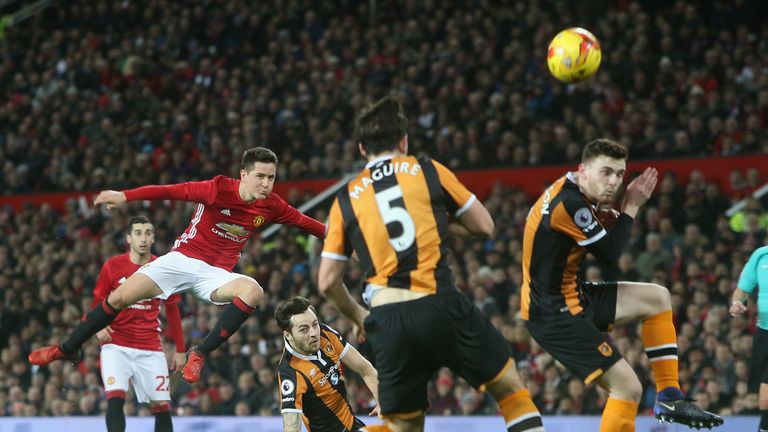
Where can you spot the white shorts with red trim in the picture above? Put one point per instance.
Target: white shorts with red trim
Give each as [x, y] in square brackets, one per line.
[146, 370]
[175, 272]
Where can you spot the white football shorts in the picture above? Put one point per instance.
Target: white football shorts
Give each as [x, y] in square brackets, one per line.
[175, 272]
[146, 370]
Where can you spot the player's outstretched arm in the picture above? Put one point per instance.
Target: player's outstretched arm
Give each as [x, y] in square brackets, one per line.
[173, 317]
[355, 361]
[110, 198]
[199, 192]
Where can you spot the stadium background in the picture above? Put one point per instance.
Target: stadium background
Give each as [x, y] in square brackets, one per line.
[100, 94]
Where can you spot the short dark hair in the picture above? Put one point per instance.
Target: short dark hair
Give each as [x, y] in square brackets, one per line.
[603, 147]
[257, 154]
[293, 306]
[381, 125]
[136, 220]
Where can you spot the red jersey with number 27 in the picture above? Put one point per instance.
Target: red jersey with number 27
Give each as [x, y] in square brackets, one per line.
[138, 325]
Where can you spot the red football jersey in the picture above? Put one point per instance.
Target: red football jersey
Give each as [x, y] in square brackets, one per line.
[138, 325]
[223, 222]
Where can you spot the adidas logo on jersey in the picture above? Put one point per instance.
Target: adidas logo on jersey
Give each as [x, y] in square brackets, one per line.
[226, 212]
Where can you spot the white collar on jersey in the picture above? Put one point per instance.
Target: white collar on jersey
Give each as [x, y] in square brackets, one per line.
[379, 159]
[293, 352]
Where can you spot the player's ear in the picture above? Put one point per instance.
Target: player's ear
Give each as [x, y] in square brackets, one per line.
[361, 149]
[402, 146]
[582, 167]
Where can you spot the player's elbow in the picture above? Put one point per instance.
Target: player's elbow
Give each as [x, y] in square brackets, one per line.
[483, 228]
[323, 283]
[487, 228]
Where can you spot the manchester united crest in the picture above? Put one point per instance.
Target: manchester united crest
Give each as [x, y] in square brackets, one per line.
[111, 380]
[258, 220]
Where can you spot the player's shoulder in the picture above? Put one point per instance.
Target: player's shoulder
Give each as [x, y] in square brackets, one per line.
[224, 180]
[118, 260]
[325, 328]
[569, 193]
[760, 252]
[284, 365]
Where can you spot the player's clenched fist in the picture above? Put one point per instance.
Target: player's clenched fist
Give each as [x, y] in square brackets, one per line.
[111, 198]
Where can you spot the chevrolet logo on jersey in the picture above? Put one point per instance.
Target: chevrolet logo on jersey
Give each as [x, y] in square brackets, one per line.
[232, 229]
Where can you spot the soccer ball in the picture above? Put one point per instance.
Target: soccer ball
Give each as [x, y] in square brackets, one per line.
[574, 55]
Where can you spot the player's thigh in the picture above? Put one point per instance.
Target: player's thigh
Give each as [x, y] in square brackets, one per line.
[405, 359]
[218, 286]
[137, 287]
[152, 381]
[758, 363]
[621, 382]
[410, 424]
[575, 342]
[171, 273]
[637, 301]
[116, 370]
[475, 349]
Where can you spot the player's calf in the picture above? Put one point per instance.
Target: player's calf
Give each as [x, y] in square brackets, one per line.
[517, 407]
[98, 318]
[115, 414]
[162, 412]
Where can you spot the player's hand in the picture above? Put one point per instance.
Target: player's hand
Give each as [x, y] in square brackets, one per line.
[105, 334]
[640, 189]
[177, 361]
[375, 412]
[111, 198]
[737, 309]
[359, 332]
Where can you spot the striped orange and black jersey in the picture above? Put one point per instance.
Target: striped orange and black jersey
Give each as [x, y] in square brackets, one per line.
[558, 230]
[394, 215]
[313, 385]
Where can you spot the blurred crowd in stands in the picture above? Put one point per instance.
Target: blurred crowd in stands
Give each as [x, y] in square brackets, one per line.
[118, 94]
[121, 93]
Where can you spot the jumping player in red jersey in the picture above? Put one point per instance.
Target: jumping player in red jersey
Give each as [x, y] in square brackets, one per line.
[131, 349]
[228, 213]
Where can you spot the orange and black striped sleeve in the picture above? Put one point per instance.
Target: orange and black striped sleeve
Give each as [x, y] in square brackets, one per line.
[293, 387]
[460, 197]
[575, 217]
[336, 246]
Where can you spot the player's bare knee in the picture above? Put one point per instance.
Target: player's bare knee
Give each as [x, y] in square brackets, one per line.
[249, 291]
[629, 390]
[117, 300]
[662, 300]
[510, 383]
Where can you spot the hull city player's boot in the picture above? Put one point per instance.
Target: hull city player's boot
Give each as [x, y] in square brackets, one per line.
[195, 363]
[685, 412]
[45, 355]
